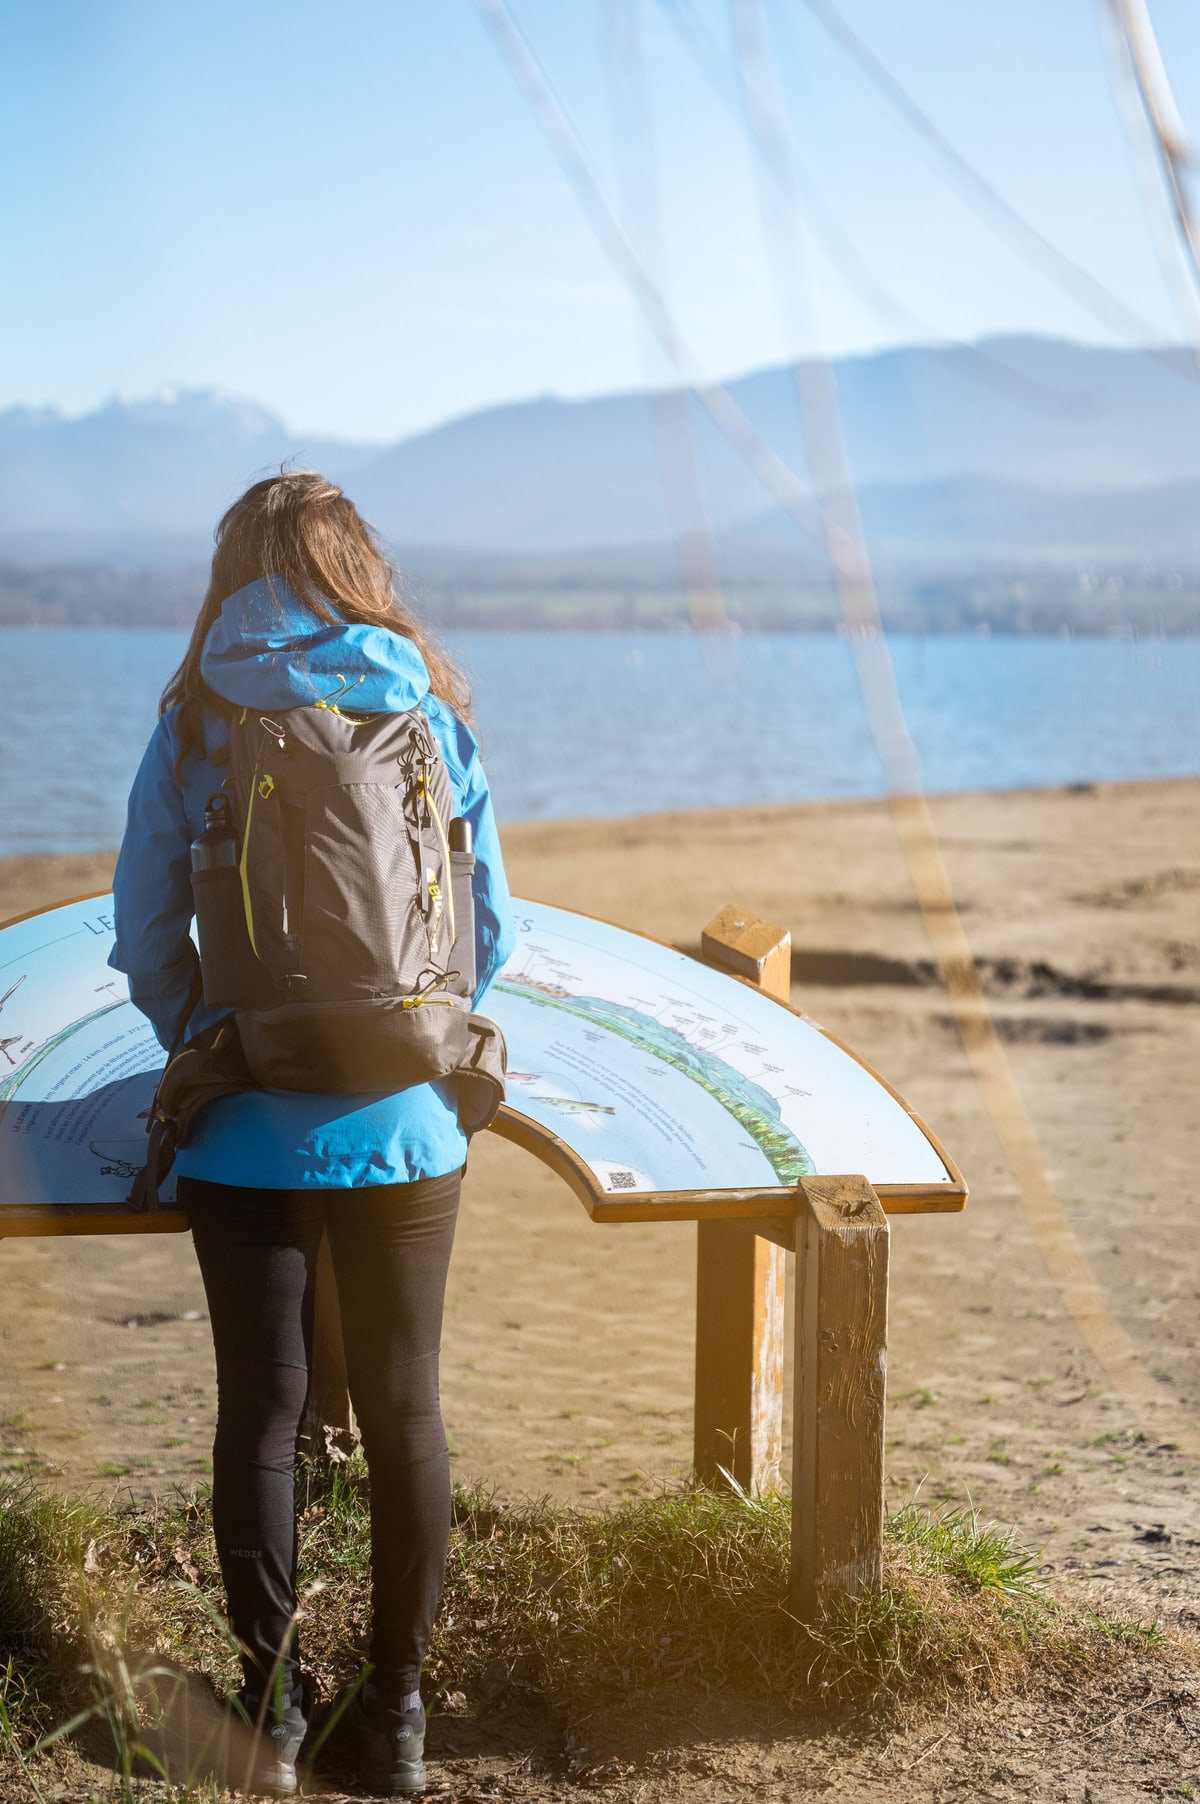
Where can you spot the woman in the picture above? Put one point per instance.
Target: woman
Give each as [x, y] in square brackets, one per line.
[301, 604]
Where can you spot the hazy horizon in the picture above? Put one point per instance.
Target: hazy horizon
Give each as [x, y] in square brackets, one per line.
[172, 393]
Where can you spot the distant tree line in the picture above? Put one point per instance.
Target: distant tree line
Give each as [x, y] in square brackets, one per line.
[95, 595]
[1093, 602]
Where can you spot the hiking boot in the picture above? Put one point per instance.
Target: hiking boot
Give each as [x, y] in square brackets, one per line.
[276, 1750]
[390, 1745]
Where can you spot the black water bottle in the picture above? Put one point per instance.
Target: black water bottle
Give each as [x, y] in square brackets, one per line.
[220, 910]
[462, 868]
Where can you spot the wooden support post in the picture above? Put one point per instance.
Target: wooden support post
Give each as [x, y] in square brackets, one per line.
[740, 1278]
[841, 1370]
[739, 1356]
[328, 1392]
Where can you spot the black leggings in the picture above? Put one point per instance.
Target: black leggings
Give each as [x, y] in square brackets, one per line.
[258, 1257]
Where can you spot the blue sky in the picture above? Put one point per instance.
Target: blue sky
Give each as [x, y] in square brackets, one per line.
[348, 214]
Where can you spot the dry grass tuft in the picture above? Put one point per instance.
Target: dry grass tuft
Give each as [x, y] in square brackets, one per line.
[681, 1593]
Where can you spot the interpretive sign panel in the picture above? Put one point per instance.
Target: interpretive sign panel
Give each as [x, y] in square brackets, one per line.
[649, 1079]
[666, 1076]
[78, 1065]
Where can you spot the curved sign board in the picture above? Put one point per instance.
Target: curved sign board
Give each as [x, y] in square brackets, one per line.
[658, 1087]
[669, 1089]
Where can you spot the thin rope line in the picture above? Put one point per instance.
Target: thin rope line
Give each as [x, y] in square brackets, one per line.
[671, 410]
[1053, 1233]
[1073, 278]
[1148, 110]
[775, 475]
[836, 518]
[693, 33]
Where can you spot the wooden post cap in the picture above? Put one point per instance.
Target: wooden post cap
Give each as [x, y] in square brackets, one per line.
[738, 941]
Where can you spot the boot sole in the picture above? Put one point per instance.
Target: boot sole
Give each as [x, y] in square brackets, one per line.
[395, 1781]
[280, 1780]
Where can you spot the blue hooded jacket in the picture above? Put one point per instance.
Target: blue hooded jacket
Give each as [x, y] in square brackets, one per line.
[268, 650]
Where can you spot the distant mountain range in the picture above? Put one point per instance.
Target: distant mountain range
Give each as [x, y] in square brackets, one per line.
[1016, 453]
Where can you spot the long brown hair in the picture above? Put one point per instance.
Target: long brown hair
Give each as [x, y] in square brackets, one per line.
[300, 529]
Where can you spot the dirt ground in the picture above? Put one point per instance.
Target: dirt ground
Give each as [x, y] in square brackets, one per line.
[568, 1347]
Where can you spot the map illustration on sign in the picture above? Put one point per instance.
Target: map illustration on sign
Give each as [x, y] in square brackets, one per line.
[656, 1076]
[667, 1076]
[79, 1063]
[669, 1035]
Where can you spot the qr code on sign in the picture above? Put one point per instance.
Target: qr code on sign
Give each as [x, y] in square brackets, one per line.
[622, 1180]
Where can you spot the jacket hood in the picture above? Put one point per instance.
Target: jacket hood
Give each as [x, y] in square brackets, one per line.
[267, 649]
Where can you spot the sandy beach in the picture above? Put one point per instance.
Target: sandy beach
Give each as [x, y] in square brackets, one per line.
[568, 1346]
[568, 1350]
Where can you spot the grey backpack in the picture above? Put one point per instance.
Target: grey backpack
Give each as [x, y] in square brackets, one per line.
[333, 907]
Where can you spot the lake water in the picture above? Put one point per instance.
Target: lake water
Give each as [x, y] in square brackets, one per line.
[609, 724]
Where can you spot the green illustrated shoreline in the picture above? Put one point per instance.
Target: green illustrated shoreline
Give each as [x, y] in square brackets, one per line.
[753, 1108]
[12, 1083]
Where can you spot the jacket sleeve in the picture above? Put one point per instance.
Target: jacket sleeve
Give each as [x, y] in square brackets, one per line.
[152, 895]
[495, 935]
